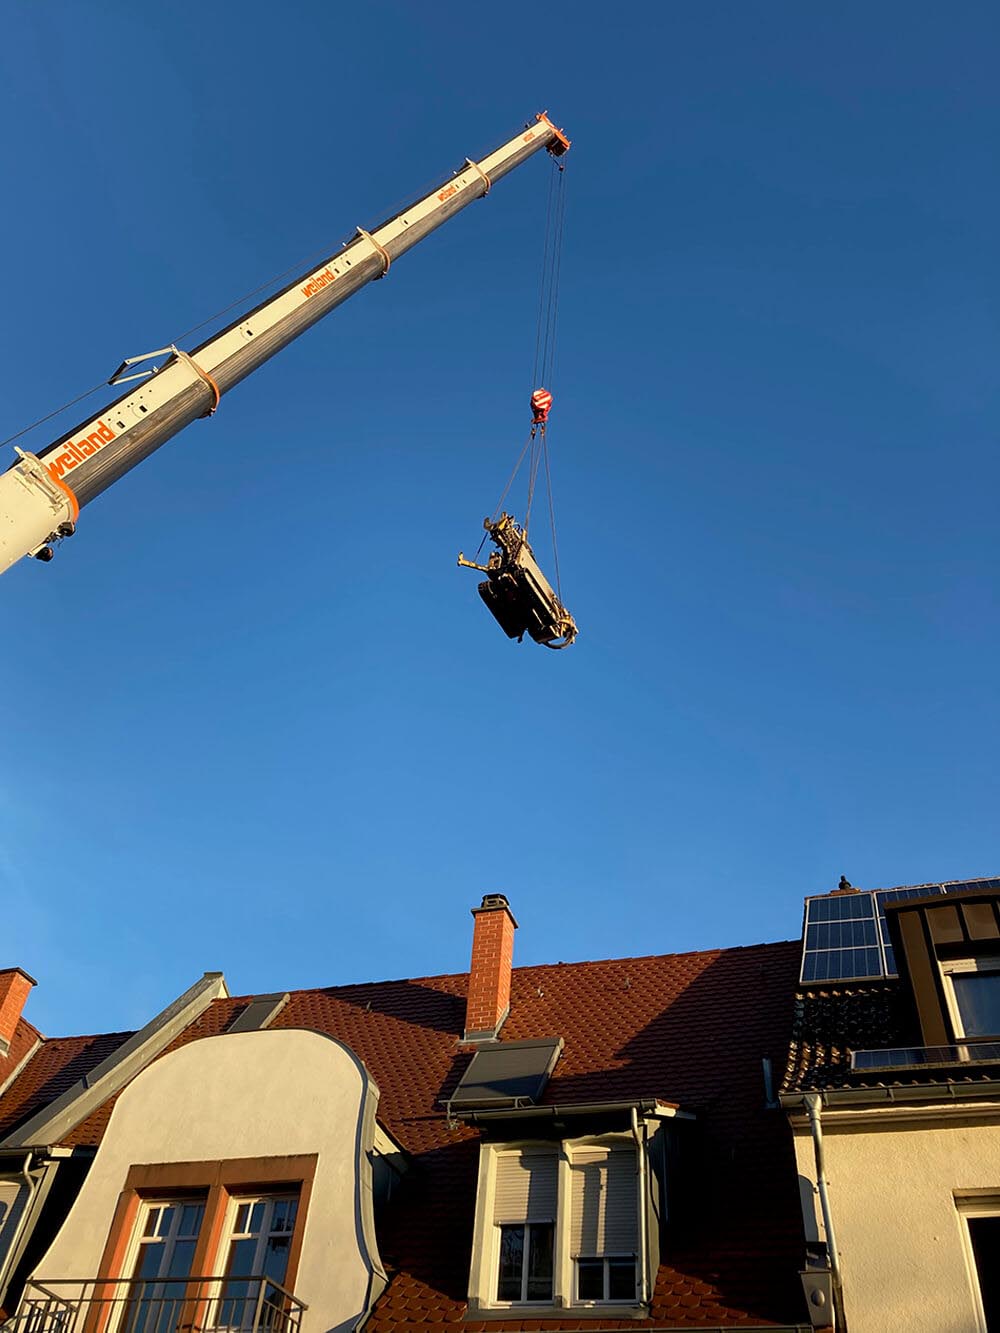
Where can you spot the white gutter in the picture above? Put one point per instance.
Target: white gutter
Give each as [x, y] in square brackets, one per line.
[813, 1103]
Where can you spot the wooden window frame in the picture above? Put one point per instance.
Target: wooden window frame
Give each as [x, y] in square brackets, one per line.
[217, 1183]
[950, 967]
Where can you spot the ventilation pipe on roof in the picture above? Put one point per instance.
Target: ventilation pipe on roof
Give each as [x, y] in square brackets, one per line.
[813, 1104]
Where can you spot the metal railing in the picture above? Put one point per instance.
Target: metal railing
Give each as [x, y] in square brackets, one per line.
[924, 1057]
[157, 1305]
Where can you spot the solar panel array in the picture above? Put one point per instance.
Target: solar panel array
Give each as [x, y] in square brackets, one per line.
[846, 937]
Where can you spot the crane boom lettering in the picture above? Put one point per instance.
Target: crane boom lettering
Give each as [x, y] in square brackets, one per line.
[41, 494]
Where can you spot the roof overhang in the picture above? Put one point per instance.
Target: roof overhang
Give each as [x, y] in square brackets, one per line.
[921, 1101]
[650, 1107]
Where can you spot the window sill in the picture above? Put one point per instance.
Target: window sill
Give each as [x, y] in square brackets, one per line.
[576, 1312]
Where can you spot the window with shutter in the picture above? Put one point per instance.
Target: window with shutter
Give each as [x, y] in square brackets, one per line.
[562, 1228]
[524, 1210]
[604, 1229]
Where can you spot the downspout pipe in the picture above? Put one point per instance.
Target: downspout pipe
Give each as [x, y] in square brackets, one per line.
[813, 1104]
[640, 1148]
[31, 1183]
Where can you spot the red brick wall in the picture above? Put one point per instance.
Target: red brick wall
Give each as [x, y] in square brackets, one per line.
[14, 988]
[489, 971]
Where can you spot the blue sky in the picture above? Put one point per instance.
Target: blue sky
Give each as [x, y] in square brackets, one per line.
[256, 720]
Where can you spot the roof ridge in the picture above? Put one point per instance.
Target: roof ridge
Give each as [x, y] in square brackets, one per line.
[90, 1036]
[530, 967]
[897, 888]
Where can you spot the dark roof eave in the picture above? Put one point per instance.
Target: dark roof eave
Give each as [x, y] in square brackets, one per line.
[644, 1105]
[893, 1094]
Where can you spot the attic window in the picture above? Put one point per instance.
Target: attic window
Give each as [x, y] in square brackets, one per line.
[507, 1074]
[259, 1013]
[973, 988]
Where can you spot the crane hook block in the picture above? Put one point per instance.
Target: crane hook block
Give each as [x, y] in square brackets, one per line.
[518, 594]
[541, 405]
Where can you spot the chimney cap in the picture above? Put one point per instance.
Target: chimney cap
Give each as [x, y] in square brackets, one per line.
[494, 902]
[27, 975]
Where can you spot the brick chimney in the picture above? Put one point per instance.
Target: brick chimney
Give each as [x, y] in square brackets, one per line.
[489, 972]
[15, 985]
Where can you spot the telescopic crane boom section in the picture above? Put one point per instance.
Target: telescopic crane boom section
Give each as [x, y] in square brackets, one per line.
[41, 494]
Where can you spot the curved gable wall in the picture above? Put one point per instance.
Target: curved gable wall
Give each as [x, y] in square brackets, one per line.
[249, 1095]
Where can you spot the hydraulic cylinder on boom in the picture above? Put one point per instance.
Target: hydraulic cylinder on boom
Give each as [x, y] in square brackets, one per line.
[42, 493]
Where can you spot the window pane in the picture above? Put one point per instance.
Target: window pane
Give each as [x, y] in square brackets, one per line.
[179, 1264]
[511, 1260]
[191, 1215]
[283, 1217]
[241, 1257]
[242, 1217]
[621, 1279]
[148, 1262]
[276, 1258]
[985, 1232]
[256, 1217]
[590, 1279]
[540, 1261]
[978, 996]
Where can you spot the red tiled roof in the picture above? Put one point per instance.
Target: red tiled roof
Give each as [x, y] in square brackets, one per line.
[57, 1064]
[686, 1028]
[25, 1036]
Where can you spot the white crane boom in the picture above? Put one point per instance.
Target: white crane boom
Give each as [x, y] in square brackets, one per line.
[41, 494]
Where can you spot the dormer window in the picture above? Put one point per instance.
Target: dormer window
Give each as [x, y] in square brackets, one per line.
[558, 1225]
[524, 1216]
[603, 1231]
[972, 986]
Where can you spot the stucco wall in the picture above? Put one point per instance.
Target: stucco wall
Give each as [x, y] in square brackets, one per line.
[900, 1235]
[251, 1094]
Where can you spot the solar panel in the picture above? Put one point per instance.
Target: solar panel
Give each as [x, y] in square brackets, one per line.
[841, 939]
[846, 935]
[884, 896]
[507, 1074]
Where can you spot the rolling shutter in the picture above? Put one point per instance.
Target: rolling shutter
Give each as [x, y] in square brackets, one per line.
[604, 1216]
[526, 1186]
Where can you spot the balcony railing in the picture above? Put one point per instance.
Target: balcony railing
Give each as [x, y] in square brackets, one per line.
[928, 1057]
[163, 1305]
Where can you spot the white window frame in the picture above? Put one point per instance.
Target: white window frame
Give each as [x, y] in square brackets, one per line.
[605, 1259]
[139, 1239]
[485, 1267]
[121, 1289]
[959, 966]
[523, 1298]
[969, 1208]
[230, 1234]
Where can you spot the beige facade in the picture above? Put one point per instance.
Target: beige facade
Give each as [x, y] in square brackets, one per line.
[900, 1184]
[255, 1096]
